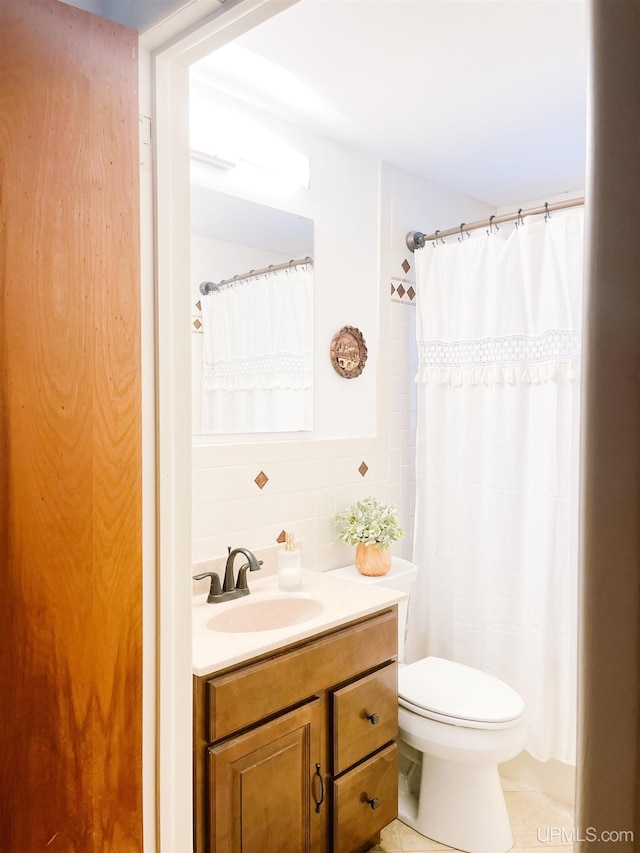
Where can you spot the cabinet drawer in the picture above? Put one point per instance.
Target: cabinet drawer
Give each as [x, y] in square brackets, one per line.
[365, 800]
[365, 717]
[247, 695]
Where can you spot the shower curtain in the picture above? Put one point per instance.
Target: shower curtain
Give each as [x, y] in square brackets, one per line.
[498, 331]
[258, 354]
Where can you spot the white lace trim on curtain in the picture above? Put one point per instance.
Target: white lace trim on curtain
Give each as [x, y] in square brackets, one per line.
[278, 370]
[507, 360]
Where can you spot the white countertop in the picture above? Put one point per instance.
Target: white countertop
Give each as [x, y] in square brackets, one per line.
[342, 601]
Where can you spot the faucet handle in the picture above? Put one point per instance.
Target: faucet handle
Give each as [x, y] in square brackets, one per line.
[214, 589]
[241, 583]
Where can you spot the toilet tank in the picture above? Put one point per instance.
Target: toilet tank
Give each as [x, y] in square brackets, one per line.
[401, 576]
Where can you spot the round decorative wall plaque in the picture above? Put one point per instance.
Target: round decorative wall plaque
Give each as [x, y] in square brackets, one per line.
[348, 352]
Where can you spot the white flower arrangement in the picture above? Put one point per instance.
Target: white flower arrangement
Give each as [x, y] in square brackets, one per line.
[369, 522]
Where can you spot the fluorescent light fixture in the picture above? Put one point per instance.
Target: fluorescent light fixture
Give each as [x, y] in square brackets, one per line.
[214, 159]
[228, 139]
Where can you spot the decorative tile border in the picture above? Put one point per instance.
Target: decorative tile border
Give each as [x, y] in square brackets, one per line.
[403, 289]
[196, 319]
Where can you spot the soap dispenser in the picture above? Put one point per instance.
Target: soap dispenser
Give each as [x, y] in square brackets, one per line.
[289, 565]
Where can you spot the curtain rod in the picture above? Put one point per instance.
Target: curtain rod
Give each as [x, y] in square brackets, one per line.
[210, 286]
[417, 240]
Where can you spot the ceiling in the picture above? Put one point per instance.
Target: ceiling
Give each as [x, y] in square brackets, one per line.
[486, 97]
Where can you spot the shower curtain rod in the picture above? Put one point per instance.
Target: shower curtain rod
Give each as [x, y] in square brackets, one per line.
[211, 287]
[417, 240]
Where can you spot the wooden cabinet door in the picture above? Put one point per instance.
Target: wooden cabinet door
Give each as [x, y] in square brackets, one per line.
[265, 793]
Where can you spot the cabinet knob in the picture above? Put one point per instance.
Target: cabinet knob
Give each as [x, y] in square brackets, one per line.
[374, 719]
[374, 802]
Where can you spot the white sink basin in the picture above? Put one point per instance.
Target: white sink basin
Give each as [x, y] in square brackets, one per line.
[266, 614]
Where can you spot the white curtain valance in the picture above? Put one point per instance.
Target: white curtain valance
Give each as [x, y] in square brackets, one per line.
[507, 360]
[277, 370]
[531, 276]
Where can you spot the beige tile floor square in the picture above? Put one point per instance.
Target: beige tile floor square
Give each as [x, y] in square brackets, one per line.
[536, 820]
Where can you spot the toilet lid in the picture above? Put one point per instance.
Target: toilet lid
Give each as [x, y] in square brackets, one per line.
[444, 689]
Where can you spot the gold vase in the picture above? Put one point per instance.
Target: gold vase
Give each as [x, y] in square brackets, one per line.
[371, 560]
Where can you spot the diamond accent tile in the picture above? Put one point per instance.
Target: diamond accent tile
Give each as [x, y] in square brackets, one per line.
[363, 468]
[282, 538]
[261, 480]
[411, 293]
[406, 266]
[401, 291]
[393, 289]
[199, 305]
[197, 323]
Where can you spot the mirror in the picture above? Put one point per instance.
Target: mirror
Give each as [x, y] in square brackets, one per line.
[252, 339]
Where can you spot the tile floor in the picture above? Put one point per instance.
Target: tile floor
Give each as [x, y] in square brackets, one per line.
[532, 815]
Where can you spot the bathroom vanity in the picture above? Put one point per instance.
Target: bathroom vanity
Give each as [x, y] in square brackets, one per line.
[294, 743]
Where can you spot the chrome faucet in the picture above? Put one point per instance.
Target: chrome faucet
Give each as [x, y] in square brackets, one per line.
[231, 589]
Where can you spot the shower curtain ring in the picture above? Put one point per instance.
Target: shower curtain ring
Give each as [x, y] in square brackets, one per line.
[547, 212]
[519, 220]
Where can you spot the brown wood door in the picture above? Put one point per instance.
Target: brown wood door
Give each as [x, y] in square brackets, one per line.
[70, 437]
[265, 795]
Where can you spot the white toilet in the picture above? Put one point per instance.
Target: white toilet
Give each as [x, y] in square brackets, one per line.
[456, 725]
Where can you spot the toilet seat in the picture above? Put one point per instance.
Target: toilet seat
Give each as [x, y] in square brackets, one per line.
[460, 695]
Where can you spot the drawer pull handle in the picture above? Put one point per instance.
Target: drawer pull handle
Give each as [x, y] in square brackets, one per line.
[374, 719]
[374, 802]
[321, 800]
